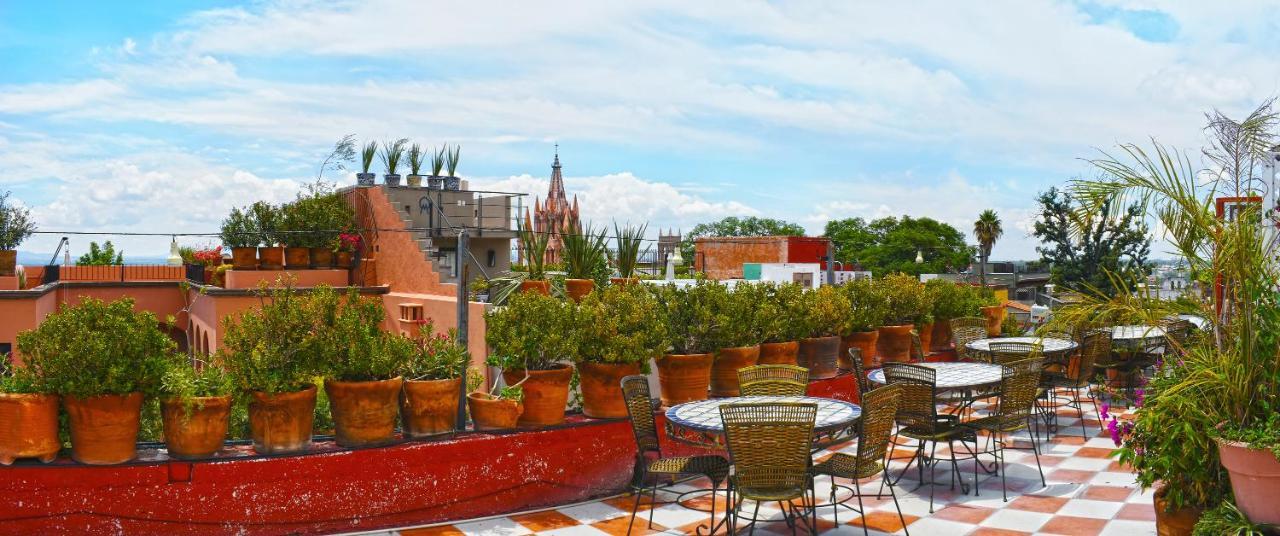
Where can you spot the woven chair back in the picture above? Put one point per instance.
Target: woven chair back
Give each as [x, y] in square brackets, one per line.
[859, 374]
[1019, 384]
[773, 380]
[965, 330]
[917, 347]
[1005, 352]
[769, 444]
[1095, 347]
[917, 408]
[635, 391]
[879, 410]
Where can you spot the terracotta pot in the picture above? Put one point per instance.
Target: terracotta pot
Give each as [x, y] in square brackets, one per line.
[342, 260]
[926, 338]
[1180, 522]
[104, 428]
[941, 336]
[546, 394]
[321, 258]
[601, 388]
[364, 413]
[8, 262]
[778, 353]
[542, 287]
[577, 289]
[864, 341]
[624, 281]
[683, 377]
[488, 413]
[282, 422]
[28, 427]
[297, 258]
[195, 431]
[244, 258]
[429, 407]
[1255, 480]
[725, 366]
[995, 316]
[820, 356]
[894, 343]
[271, 258]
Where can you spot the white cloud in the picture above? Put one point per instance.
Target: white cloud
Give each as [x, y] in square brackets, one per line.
[41, 98]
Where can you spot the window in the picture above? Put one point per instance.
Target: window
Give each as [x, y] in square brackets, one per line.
[6, 348]
[491, 258]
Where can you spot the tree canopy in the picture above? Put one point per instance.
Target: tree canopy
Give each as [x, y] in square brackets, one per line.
[888, 245]
[735, 226]
[1083, 252]
[101, 256]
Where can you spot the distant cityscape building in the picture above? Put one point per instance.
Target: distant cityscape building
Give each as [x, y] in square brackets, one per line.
[667, 244]
[554, 215]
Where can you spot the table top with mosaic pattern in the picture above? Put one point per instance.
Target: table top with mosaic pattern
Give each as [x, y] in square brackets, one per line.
[953, 375]
[1048, 345]
[704, 415]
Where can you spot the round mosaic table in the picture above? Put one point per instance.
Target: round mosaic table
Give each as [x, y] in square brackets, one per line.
[954, 376]
[698, 423]
[1050, 346]
[1136, 334]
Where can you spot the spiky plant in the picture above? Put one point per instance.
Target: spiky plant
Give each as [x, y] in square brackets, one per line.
[437, 161]
[416, 157]
[451, 159]
[533, 246]
[366, 156]
[584, 250]
[630, 240]
[392, 152]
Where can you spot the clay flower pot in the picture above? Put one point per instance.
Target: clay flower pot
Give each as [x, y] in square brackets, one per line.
[8, 262]
[1255, 480]
[941, 339]
[488, 413]
[321, 258]
[995, 316]
[1176, 523]
[104, 428]
[542, 286]
[244, 258]
[271, 258]
[601, 388]
[429, 407]
[196, 430]
[926, 338]
[683, 378]
[894, 343]
[778, 353]
[865, 342]
[282, 422]
[546, 394]
[577, 289]
[364, 413]
[297, 258]
[624, 281]
[28, 427]
[342, 260]
[820, 356]
[725, 365]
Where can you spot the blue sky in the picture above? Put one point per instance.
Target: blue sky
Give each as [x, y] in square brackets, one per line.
[161, 116]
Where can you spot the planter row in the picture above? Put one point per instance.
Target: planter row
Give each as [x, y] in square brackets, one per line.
[281, 258]
[434, 182]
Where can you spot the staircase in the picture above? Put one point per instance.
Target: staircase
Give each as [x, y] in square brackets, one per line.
[430, 252]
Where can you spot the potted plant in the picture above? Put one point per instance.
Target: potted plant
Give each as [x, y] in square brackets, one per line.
[266, 220]
[630, 241]
[826, 314]
[452, 182]
[684, 372]
[950, 301]
[584, 255]
[737, 336]
[904, 304]
[619, 335]
[195, 407]
[345, 247]
[391, 154]
[992, 310]
[327, 215]
[15, 227]
[867, 310]
[499, 409]
[295, 233]
[207, 260]
[416, 159]
[429, 401]
[533, 247]
[240, 233]
[436, 181]
[777, 319]
[273, 354]
[362, 367]
[101, 358]
[365, 178]
[28, 416]
[531, 338]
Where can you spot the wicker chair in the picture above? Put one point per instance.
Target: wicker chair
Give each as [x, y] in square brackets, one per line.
[1177, 333]
[966, 330]
[918, 419]
[769, 445]
[649, 460]
[1018, 385]
[1005, 352]
[864, 383]
[874, 429]
[1076, 377]
[917, 347]
[773, 380]
[1124, 360]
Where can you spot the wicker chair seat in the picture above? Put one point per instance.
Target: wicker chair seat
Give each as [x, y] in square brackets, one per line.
[998, 423]
[714, 467]
[846, 466]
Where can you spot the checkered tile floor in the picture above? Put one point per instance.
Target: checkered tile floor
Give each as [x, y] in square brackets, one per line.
[1087, 494]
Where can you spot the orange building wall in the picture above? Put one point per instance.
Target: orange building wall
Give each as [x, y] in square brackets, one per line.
[400, 263]
[722, 258]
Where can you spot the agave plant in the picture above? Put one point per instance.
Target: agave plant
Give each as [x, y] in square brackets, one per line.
[416, 158]
[533, 246]
[630, 239]
[451, 159]
[392, 152]
[366, 156]
[437, 161]
[584, 250]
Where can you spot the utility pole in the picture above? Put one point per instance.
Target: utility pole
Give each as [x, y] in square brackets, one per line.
[463, 269]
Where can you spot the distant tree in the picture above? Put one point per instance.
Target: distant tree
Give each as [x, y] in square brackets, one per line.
[1083, 252]
[889, 245]
[987, 230]
[101, 256]
[734, 226]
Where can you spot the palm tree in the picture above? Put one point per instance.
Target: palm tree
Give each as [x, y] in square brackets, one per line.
[987, 230]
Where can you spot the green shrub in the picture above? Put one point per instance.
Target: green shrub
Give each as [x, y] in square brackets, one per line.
[778, 317]
[734, 311]
[866, 305]
[185, 378]
[532, 332]
[352, 345]
[688, 316]
[827, 312]
[953, 300]
[97, 348]
[618, 326]
[16, 380]
[904, 298]
[1227, 520]
[435, 357]
[276, 348]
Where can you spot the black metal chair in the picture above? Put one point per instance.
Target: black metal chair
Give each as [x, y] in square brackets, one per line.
[874, 430]
[864, 383]
[1075, 377]
[773, 380]
[965, 330]
[1014, 410]
[918, 419]
[769, 446]
[649, 460]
